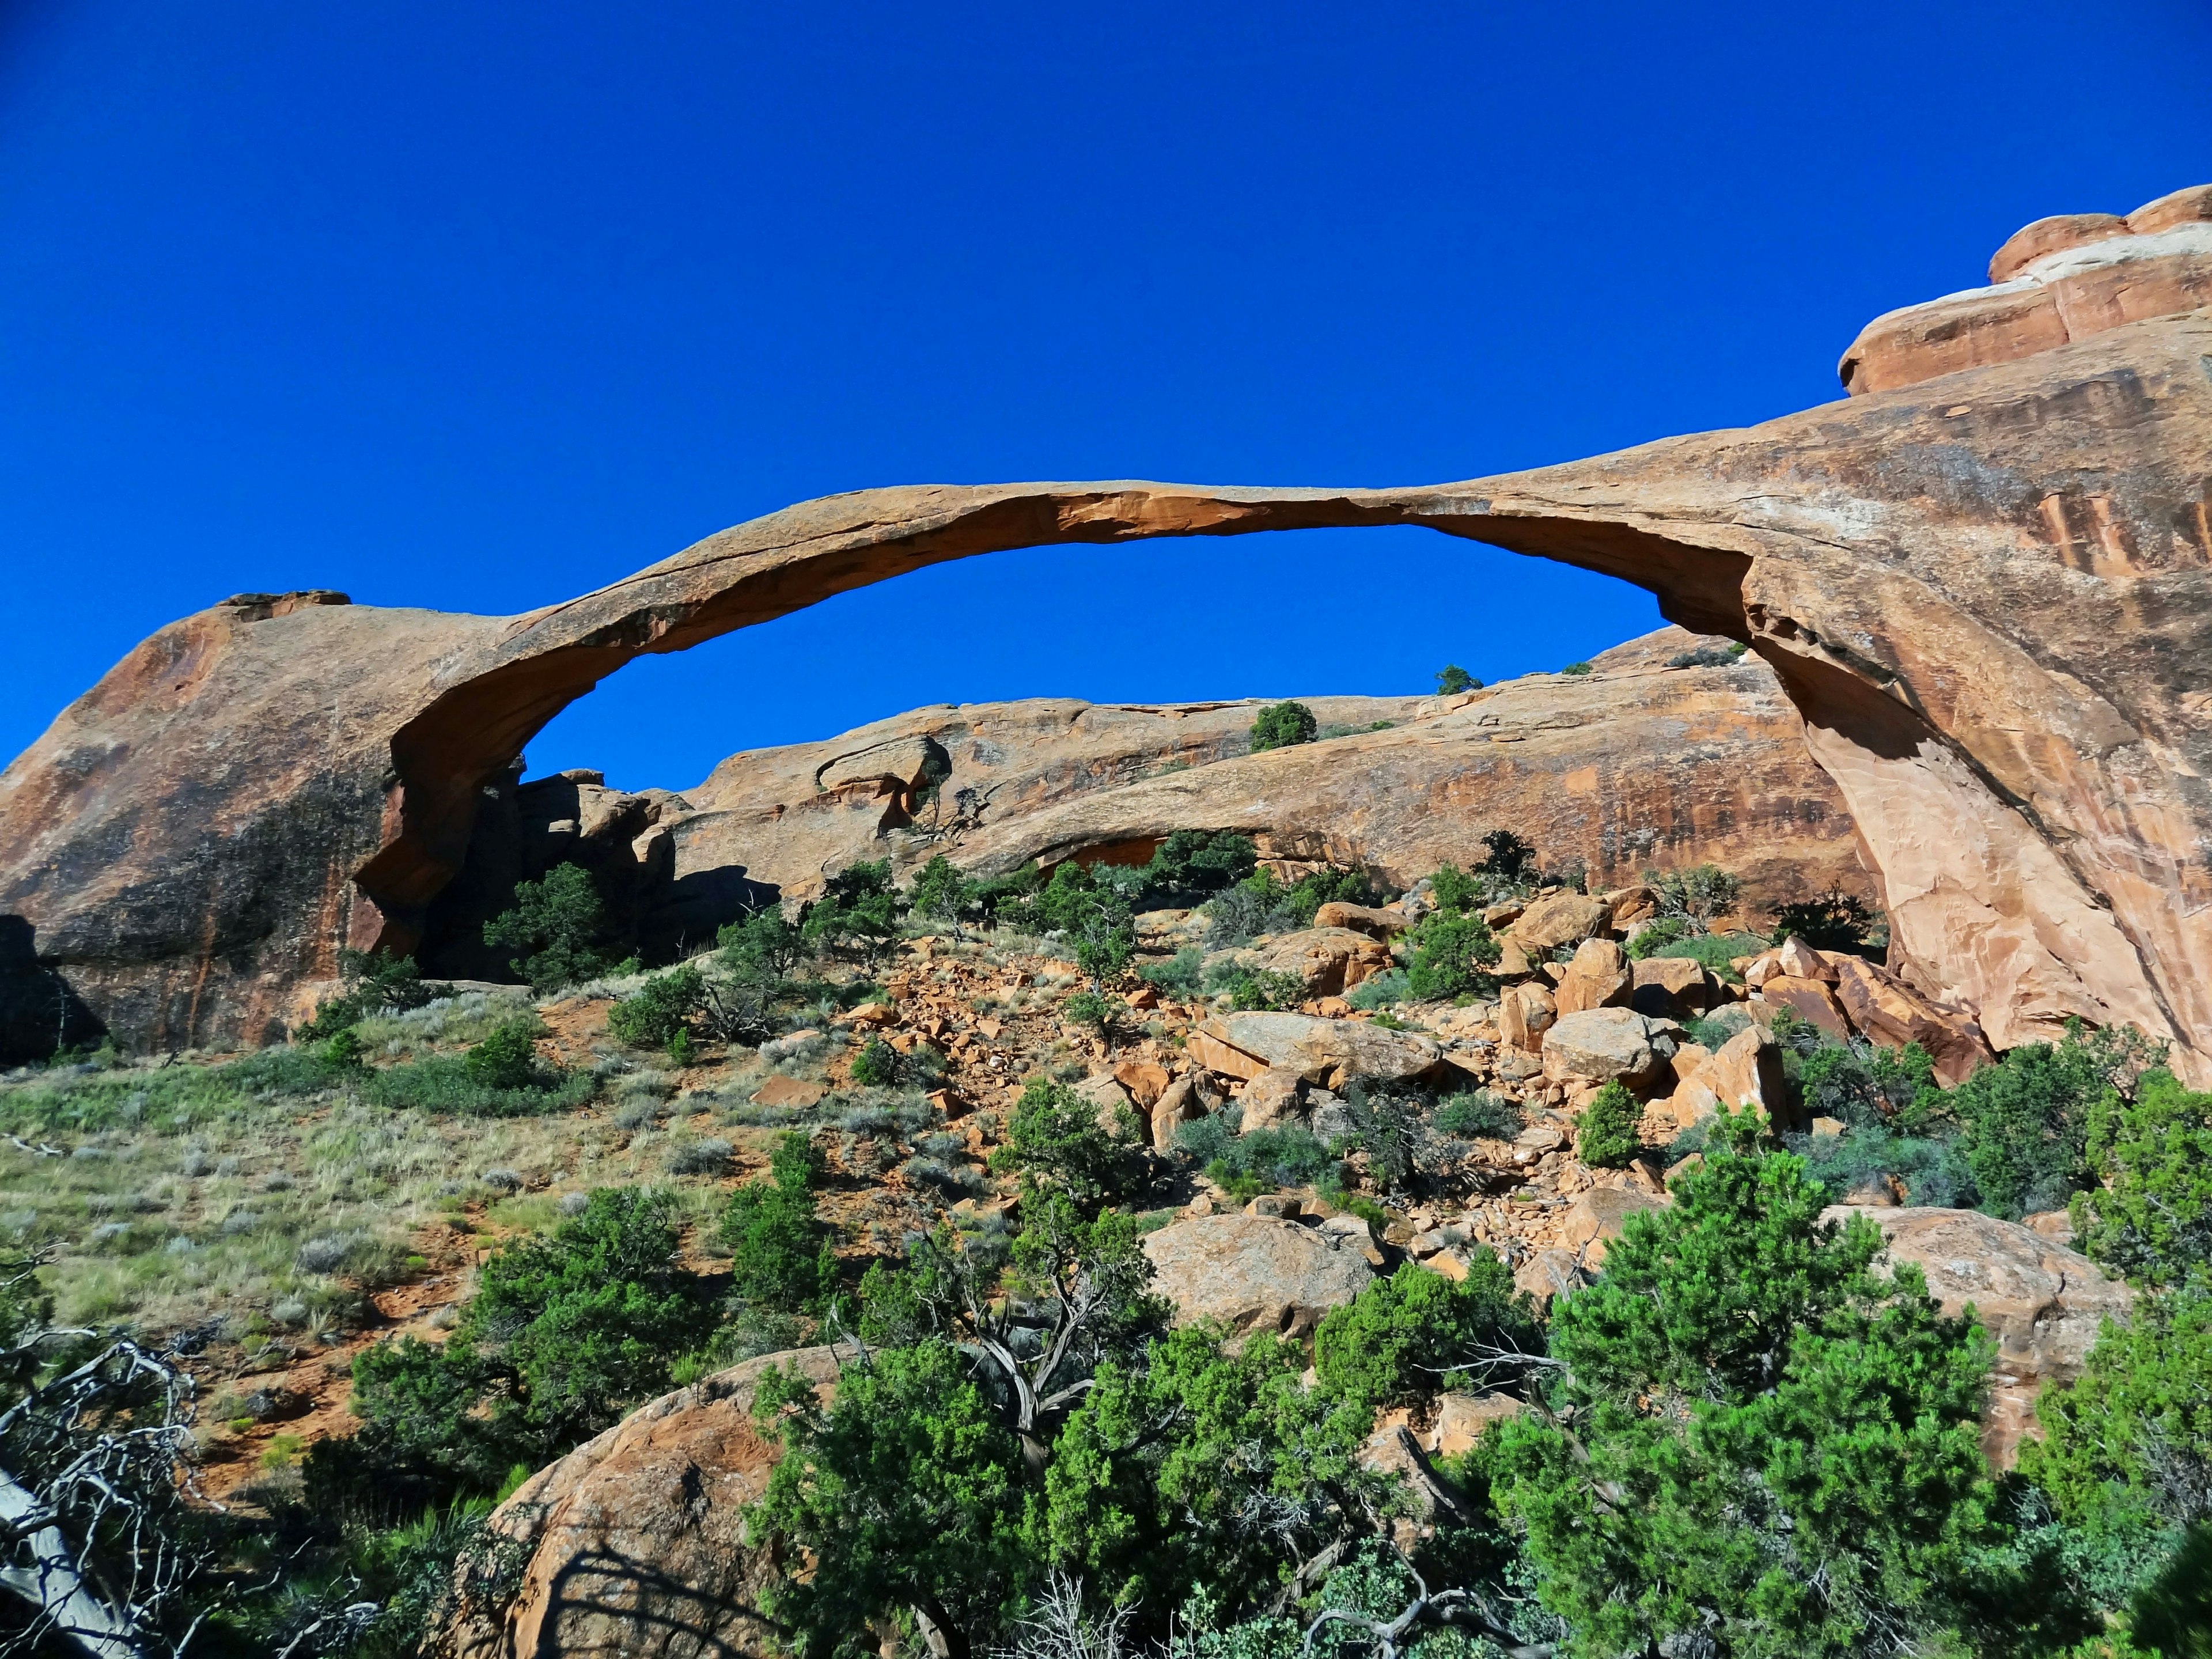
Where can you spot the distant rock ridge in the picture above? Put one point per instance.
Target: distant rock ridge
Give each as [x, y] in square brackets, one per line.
[1987, 591]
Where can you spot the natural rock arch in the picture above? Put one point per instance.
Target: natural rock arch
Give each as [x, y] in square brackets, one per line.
[1990, 593]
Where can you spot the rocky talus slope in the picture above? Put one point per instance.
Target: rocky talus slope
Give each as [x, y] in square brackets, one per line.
[1987, 591]
[635, 1543]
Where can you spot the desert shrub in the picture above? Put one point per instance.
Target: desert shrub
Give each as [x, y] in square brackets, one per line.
[877, 1066]
[1709, 656]
[1108, 1016]
[659, 1011]
[1179, 975]
[1480, 1114]
[558, 926]
[1736, 1358]
[2126, 1454]
[376, 984]
[1389, 1125]
[1833, 920]
[1607, 1135]
[565, 1331]
[1508, 858]
[1578, 668]
[2150, 1214]
[1056, 1144]
[1250, 988]
[1933, 1172]
[709, 1155]
[1654, 936]
[781, 1257]
[1694, 896]
[763, 949]
[1454, 679]
[1262, 1161]
[1281, 725]
[857, 914]
[507, 1056]
[1381, 990]
[2024, 1121]
[1861, 1084]
[1405, 1337]
[941, 891]
[1084, 913]
[443, 1085]
[1192, 865]
[1713, 951]
[1451, 949]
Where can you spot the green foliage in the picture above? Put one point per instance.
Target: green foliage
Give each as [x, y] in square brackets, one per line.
[2024, 1122]
[1454, 891]
[558, 926]
[1056, 1144]
[507, 1059]
[564, 1333]
[1711, 952]
[940, 890]
[906, 1493]
[1508, 858]
[1606, 1135]
[344, 1052]
[1282, 724]
[1653, 935]
[2151, 1217]
[1869, 1088]
[2131, 1440]
[374, 984]
[857, 914]
[1261, 904]
[444, 1084]
[781, 1257]
[1107, 1016]
[1455, 679]
[1250, 988]
[1578, 668]
[763, 949]
[877, 1066]
[1179, 975]
[1709, 656]
[1381, 990]
[1406, 1337]
[1934, 1171]
[1694, 896]
[1833, 920]
[1084, 912]
[1479, 1115]
[1774, 1449]
[660, 1010]
[1262, 1161]
[1451, 949]
[1159, 1475]
[1192, 865]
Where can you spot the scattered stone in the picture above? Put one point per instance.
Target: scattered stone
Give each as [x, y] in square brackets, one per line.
[1254, 1273]
[1549, 1273]
[1809, 999]
[1271, 1099]
[1379, 923]
[1598, 977]
[1671, 988]
[1562, 919]
[1599, 1044]
[1462, 1419]
[777, 1089]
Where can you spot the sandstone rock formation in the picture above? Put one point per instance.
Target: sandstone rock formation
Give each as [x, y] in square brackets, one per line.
[1989, 593]
[635, 1540]
[1255, 1273]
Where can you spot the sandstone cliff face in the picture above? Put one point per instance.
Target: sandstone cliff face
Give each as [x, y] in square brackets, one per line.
[1634, 765]
[1989, 593]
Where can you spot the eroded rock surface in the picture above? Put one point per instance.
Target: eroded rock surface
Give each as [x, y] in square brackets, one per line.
[1989, 593]
[1255, 1272]
[636, 1538]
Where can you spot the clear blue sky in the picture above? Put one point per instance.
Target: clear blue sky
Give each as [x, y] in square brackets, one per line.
[478, 307]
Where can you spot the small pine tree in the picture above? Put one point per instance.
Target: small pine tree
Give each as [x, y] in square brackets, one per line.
[1282, 724]
[1607, 1134]
[1455, 679]
[557, 924]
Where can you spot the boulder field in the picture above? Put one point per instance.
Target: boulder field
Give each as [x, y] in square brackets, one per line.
[1984, 580]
